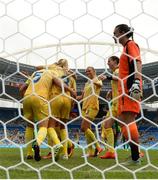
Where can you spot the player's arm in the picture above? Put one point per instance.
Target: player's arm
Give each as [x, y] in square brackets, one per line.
[39, 68]
[97, 82]
[80, 97]
[73, 86]
[110, 77]
[135, 90]
[66, 88]
[134, 51]
[72, 73]
[22, 89]
[72, 83]
[109, 95]
[139, 70]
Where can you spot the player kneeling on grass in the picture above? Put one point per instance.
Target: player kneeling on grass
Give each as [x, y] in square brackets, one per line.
[35, 104]
[90, 108]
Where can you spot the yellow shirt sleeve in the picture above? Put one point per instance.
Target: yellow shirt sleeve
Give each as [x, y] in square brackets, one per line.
[97, 82]
[73, 83]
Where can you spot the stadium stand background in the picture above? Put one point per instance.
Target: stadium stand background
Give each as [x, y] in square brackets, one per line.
[15, 128]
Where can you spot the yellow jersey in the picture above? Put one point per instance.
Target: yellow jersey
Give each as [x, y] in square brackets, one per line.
[70, 81]
[114, 84]
[40, 83]
[92, 101]
[57, 70]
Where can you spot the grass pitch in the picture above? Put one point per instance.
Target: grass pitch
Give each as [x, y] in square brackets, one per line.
[13, 166]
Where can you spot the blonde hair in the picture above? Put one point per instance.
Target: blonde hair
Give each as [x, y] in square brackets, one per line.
[62, 63]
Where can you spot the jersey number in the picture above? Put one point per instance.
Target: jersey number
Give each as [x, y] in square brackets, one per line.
[37, 77]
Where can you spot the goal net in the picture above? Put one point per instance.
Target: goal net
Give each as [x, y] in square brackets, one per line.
[41, 32]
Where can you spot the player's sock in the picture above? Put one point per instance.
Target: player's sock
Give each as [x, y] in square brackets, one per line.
[41, 135]
[110, 139]
[29, 135]
[135, 137]
[63, 135]
[50, 142]
[90, 148]
[53, 135]
[103, 132]
[91, 135]
[57, 129]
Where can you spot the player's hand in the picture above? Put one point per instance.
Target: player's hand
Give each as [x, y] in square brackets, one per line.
[135, 91]
[73, 93]
[109, 95]
[102, 77]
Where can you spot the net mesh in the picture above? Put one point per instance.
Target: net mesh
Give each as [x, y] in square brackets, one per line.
[40, 32]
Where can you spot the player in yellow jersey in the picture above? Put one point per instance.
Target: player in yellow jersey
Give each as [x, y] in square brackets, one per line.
[57, 69]
[35, 104]
[61, 105]
[107, 130]
[90, 108]
[29, 131]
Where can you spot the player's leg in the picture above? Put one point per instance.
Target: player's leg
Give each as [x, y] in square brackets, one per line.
[70, 148]
[29, 131]
[116, 130]
[129, 118]
[110, 154]
[64, 136]
[128, 110]
[86, 128]
[55, 125]
[52, 124]
[29, 135]
[56, 105]
[54, 138]
[52, 132]
[56, 108]
[108, 130]
[65, 115]
[41, 113]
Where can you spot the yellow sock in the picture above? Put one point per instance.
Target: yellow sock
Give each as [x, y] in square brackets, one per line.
[63, 135]
[28, 137]
[110, 139]
[90, 148]
[41, 135]
[57, 129]
[50, 142]
[92, 137]
[53, 135]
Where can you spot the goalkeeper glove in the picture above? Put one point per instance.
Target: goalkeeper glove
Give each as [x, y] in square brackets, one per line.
[135, 91]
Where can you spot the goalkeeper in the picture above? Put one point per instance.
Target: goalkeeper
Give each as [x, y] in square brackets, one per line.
[129, 88]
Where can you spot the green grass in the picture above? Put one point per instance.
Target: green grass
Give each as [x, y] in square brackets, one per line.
[50, 170]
